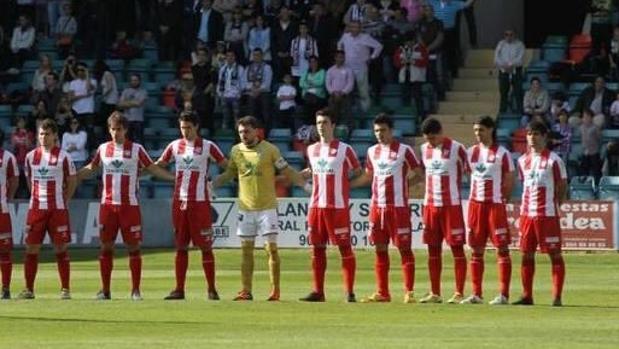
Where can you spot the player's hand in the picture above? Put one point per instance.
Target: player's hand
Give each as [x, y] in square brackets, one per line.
[211, 192]
[306, 173]
[308, 187]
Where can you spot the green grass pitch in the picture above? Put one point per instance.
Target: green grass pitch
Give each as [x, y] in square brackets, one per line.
[589, 319]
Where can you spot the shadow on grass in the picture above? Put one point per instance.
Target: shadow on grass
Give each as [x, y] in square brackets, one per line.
[69, 320]
[84, 254]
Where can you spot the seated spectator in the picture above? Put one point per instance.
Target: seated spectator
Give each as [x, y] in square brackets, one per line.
[414, 9]
[22, 142]
[22, 42]
[39, 113]
[63, 112]
[536, 101]
[204, 79]
[387, 9]
[598, 99]
[38, 80]
[412, 61]
[558, 103]
[614, 113]
[82, 97]
[230, 85]
[260, 37]
[227, 8]
[50, 94]
[68, 73]
[340, 82]
[74, 141]
[590, 135]
[131, 102]
[122, 48]
[259, 77]
[357, 12]
[235, 34]
[611, 161]
[313, 90]
[66, 28]
[302, 47]
[219, 57]
[563, 131]
[109, 92]
[286, 95]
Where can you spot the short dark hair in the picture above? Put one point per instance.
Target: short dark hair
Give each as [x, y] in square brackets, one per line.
[383, 118]
[137, 75]
[54, 75]
[49, 125]
[326, 112]
[118, 117]
[431, 126]
[535, 78]
[248, 120]
[340, 52]
[537, 126]
[82, 65]
[588, 111]
[488, 122]
[188, 116]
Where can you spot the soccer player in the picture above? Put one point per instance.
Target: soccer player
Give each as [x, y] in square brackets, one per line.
[331, 163]
[492, 178]
[191, 207]
[254, 162]
[121, 161]
[389, 165]
[544, 186]
[444, 161]
[51, 179]
[9, 180]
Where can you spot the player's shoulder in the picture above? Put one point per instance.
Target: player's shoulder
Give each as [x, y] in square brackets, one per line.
[457, 145]
[502, 150]
[7, 154]
[373, 147]
[522, 158]
[554, 157]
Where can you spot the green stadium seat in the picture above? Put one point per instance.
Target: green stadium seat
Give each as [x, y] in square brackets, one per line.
[582, 188]
[609, 188]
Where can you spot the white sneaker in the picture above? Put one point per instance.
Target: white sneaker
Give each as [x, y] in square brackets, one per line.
[136, 296]
[499, 300]
[472, 299]
[65, 294]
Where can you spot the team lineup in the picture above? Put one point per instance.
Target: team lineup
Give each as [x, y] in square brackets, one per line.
[333, 169]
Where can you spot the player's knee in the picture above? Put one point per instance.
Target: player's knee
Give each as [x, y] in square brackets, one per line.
[556, 257]
[60, 248]
[33, 249]
[133, 248]
[503, 252]
[381, 247]
[478, 253]
[528, 257]
[457, 251]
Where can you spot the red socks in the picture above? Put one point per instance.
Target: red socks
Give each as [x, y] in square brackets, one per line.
[558, 275]
[208, 264]
[408, 269]
[527, 271]
[381, 269]
[135, 264]
[435, 265]
[180, 265]
[64, 269]
[106, 264]
[31, 264]
[459, 267]
[505, 272]
[6, 268]
[319, 266]
[349, 265]
[477, 273]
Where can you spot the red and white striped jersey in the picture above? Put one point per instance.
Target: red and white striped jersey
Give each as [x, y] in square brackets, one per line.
[389, 167]
[192, 163]
[8, 170]
[331, 164]
[488, 167]
[121, 165]
[47, 172]
[444, 168]
[540, 174]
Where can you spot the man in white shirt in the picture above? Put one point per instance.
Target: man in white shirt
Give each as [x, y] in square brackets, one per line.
[82, 98]
[22, 40]
[259, 77]
[508, 58]
[132, 101]
[230, 84]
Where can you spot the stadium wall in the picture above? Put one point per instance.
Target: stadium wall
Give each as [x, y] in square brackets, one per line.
[586, 225]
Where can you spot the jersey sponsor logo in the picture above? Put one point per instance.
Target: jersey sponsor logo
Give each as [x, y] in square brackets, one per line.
[187, 163]
[384, 169]
[438, 168]
[117, 166]
[536, 178]
[43, 174]
[250, 169]
[323, 167]
[480, 171]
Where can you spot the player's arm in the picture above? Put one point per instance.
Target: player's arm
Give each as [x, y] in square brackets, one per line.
[12, 185]
[160, 172]
[415, 176]
[87, 171]
[12, 174]
[560, 178]
[70, 187]
[228, 175]
[508, 186]
[561, 191]
[362, 180]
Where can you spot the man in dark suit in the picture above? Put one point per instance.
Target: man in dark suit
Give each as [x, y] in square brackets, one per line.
[322, 26]
[209, 24]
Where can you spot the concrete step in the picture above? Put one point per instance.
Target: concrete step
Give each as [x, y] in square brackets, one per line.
[475, 85]
[481, 58]
[470, 96]
[478, 73]
[463, 108]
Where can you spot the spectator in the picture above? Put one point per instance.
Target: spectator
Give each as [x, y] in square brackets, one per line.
[132, 101]
[590, 135]
[259, 78]
[82, 97]
[51, 94]
[302, 48]
[63, 112]
[227, 8]
[562, 129]
[252, 9]
[302, 8]
[412, 61]
[313, 91]
[209, 24]
[236, 34]
[74, 141]
[53, 12]
[598, 99]
[322, 26]
[360, 49]
[469, 16]
[283, 31]
[613, 54]
[219, 57]
[340, 83]
[22, 42]
[387, 9]
[22, 142]
[508, 58]
[66, 28]
[230, 84]
[38, 80]
[395, 31]
[123, 48]
[614, 113]
[558, 104]
[260, 37]
[286, 95]
[375, 27]
[611, 161]
[68, 73]
[414, 9]
[536, 102]
[169, 13]
[203, 101]
[431, 30]
[357, 12]
[601, 23]
[39, 113]
[109, 93]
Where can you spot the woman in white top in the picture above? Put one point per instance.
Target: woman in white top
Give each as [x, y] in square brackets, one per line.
[109, 92]
[74, 143]
[45, 67]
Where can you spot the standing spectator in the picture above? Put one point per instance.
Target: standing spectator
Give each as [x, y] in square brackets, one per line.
[209, 24]
[471, 26]
[169, 14]
[598, 99]
[340, 83]
[123, 48]
[557, 104]
[39, 113]
[38, 80]
[259, 78]
[302, 47]
[613, 54]
[412, 60]
[393, 35]
[611, 161]
[236, 34]
[375, 27]
[360, 49]
[203, 101]
[132, 101]
[82, 97]
[283, 31]
[63, 112]
[536, 102]
[414, 9]
[230, 84]
[227, 8]
[66, 28]
[22, 42]
[313, 91]
[590, 135]
[614, 113]
[68, 73]
[260, 37]
[252, 8]
[357, 12]
[322, 26]
[563, 129]
[508, 58]
[387, 9]
[74, 143]
[601, 23]
[53, 12]
[286, 95]
[430, 29]
[51, 94]
[22, 142]
[109, 93]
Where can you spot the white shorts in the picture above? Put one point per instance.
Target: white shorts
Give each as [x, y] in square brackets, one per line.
[254, 223]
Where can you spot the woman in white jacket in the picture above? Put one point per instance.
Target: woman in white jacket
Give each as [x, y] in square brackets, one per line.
[74, 142]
